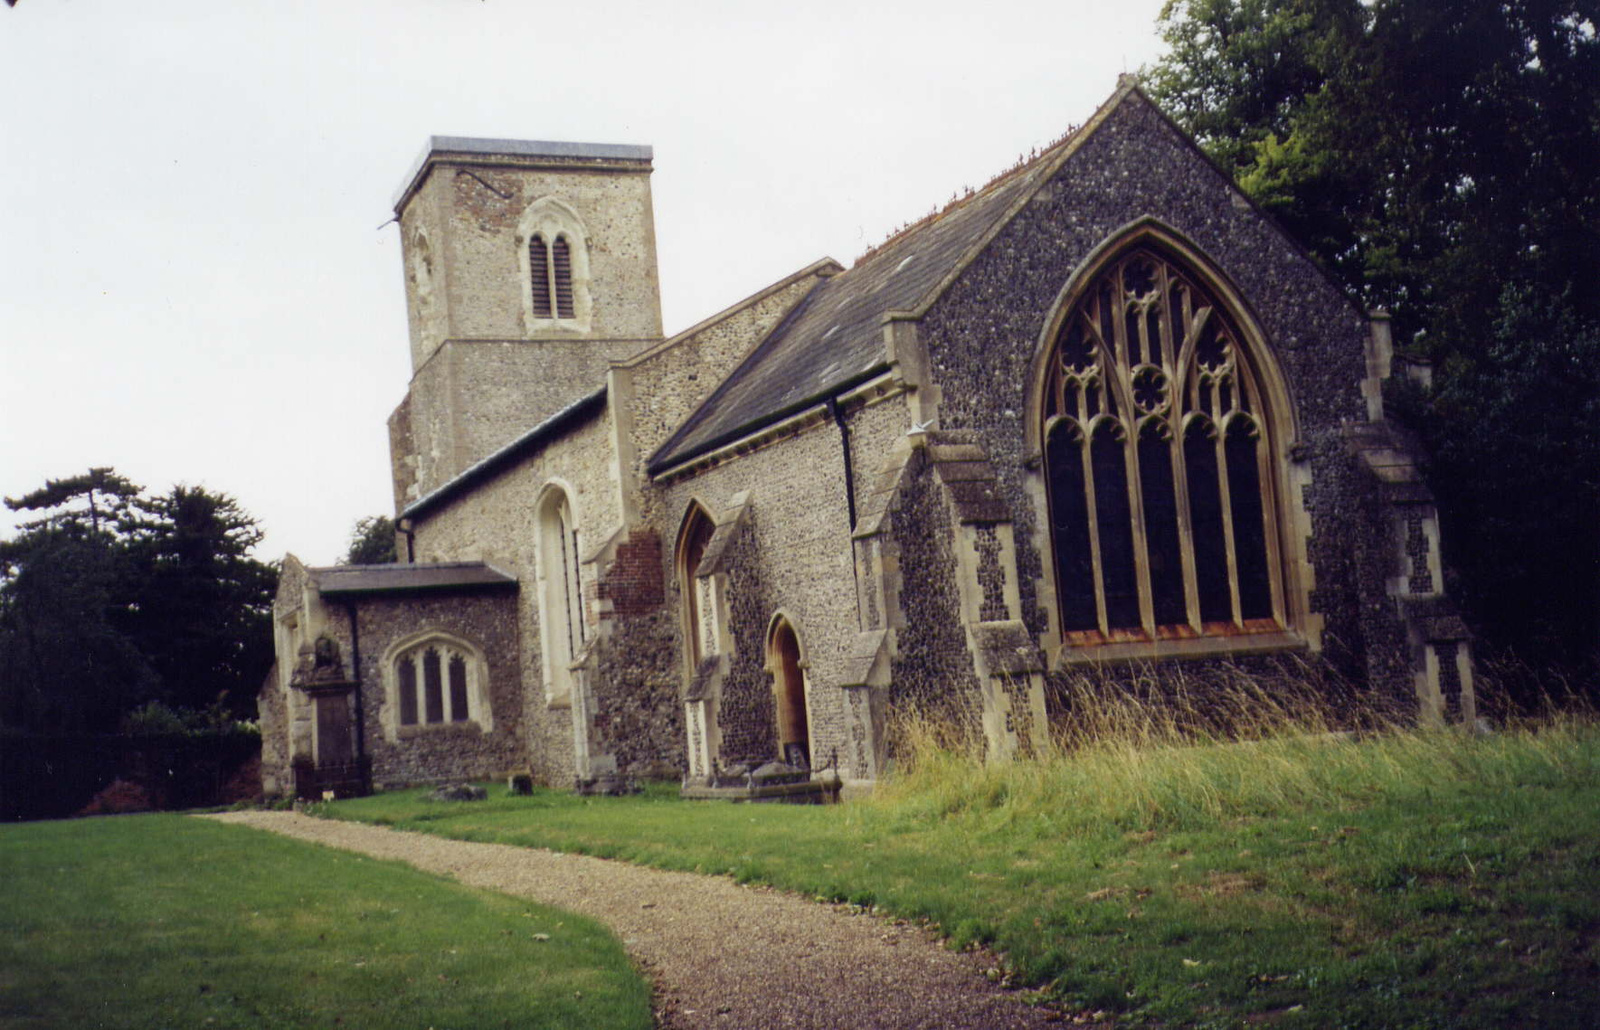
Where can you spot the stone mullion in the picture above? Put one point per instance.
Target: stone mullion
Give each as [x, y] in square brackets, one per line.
[1092, 513]
[1185, 381]
[1141, 546]
[1122, 369]
[1169, 347]
[1102, 350]
[1180, 477]
[1269, 508]
[1227, 523]
[550, 278]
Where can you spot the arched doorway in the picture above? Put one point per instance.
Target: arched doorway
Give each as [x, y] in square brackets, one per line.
[789, 688]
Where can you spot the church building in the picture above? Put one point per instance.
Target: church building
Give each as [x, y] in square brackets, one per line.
[1101, 414]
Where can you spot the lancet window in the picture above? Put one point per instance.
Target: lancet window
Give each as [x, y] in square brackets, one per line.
[699, 630]
[563, 627]
[1159, 462]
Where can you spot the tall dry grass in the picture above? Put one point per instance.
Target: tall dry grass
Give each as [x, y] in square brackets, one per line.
[1147, 751]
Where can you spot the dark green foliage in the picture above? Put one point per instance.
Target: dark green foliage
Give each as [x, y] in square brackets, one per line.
[110, 599]
[202, 606]
[1438, 157]
[371, 541]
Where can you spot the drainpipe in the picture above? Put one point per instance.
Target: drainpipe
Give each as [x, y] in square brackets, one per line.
[361, 715]
[404, 526]
[849, 469]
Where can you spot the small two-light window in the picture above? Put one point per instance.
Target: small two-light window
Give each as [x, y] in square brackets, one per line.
[550, 269]
[434, 685]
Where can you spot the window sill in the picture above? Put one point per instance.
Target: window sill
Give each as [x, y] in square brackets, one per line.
[1084, 652]
[431, 728]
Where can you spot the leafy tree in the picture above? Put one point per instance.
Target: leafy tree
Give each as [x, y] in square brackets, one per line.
[67, 665]
[371, 541]
[110, 599]
[202, 607]
[1438, 157]
[94, 502]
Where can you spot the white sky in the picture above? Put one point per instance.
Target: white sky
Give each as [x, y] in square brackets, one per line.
[194, 284]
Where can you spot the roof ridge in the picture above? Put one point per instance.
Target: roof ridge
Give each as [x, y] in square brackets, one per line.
[1023, 163]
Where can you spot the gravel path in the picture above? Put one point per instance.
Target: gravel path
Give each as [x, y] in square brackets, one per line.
[721, 955]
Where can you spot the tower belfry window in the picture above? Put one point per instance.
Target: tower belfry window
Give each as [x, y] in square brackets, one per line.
[1159, 462]
[550, 274]
[553, 248]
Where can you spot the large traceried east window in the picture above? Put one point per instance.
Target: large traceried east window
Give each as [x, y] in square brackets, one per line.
[1159, 462]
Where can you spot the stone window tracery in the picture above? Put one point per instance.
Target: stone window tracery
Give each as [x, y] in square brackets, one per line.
[436, 682]
[1158, 461]
[554, 255]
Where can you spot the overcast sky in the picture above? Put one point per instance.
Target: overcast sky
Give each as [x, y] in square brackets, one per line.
[196, 281]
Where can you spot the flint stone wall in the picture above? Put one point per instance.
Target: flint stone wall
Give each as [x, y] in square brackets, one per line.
[982, 334]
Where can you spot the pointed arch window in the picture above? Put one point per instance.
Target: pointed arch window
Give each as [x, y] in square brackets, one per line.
[699, 630]
[562, 625]
[785, 663]
[434, 682]
[554, 256]
[1159, 462]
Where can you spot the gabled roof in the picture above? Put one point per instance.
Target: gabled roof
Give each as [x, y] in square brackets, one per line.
[833, 339]
[368, 580]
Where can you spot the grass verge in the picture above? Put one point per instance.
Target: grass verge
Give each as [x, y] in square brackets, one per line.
[166, 921]
[1408, 879]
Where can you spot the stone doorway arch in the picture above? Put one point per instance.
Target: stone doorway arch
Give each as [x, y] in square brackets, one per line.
[786, 662]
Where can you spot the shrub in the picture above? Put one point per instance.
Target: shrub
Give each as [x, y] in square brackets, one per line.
[119, 798]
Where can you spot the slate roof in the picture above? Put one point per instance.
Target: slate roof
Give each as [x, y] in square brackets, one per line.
[352, 581]
[579, 411]
[833, 339]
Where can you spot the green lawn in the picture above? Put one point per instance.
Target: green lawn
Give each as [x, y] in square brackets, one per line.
[1416, 880]
[165, 921]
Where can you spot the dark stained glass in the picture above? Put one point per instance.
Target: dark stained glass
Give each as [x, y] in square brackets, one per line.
[458, 689]
[1161, 525]
[1249, 527]
[1069, 518]
[408, 691]
[1206, 526]
[1114, 519]
[432, 688]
